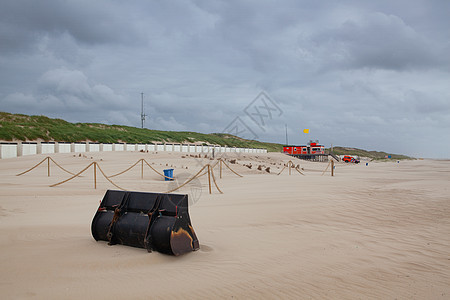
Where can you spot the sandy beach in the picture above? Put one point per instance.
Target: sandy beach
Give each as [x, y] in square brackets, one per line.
[380, 231]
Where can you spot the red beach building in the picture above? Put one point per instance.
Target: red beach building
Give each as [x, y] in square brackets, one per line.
[312, 151]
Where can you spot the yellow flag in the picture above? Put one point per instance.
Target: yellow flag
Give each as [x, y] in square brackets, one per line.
[305, 130]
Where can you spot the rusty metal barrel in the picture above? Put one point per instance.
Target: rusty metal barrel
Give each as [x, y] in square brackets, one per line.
[154, 221]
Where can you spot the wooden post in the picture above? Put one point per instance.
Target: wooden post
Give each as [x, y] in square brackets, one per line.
[95, 175]
[48, 166]
[142, 168]
[220, 168]
[332, 167]
[290, 165]
[209, 178]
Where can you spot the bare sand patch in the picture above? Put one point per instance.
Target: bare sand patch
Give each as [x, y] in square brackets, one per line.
[376, 231]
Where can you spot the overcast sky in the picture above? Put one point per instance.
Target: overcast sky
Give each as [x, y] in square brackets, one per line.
[367, 74]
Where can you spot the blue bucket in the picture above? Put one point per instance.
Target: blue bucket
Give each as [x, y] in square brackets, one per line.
[168, 173]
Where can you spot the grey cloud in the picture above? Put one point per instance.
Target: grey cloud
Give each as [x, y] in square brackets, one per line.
[377, 41]
[428, 104]
[65, 90]
[357, 74]
[89, 22]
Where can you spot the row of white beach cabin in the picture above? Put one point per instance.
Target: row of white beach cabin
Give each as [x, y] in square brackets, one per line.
[10, 150]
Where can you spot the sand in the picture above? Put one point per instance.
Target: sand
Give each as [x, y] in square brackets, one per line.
[380, 231]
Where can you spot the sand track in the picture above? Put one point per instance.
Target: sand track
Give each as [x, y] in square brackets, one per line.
[375, 232]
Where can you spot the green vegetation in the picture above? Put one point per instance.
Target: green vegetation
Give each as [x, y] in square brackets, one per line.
[378, 155]
[32, 128]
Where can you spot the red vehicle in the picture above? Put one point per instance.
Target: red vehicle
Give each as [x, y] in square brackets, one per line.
[350, 159]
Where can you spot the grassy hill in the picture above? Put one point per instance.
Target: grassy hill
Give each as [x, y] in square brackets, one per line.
[17, 127]
[32, 128]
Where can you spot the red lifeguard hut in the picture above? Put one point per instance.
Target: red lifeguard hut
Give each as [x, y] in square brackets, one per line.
[312, 151]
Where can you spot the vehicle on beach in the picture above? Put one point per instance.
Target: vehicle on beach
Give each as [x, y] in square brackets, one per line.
[350, 159]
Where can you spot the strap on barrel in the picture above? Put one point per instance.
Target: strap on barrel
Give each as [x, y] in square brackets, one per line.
[117, 214]
[147, 237]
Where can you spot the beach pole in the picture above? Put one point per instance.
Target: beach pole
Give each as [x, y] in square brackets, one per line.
[332, 167]
[48, 166]
[220, 164]
[95, 175]
[209, 178]
[142, 168]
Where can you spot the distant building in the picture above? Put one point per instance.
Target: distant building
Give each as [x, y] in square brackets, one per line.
[312, 151]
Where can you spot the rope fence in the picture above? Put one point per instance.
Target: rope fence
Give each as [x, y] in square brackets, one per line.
[209, 171]
[291, 165]
[331, 163]
[189, 180]
[128, 169]
[142, 161]
[48, 159]
[222, 162]
[96, 165]
[206, 169]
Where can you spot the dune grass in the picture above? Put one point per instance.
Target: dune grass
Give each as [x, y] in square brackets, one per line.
[20, 127]
[31, 128]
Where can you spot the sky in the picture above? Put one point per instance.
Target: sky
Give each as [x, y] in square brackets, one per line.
[366, 74]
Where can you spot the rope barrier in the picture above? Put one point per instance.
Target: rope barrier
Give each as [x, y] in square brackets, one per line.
[326, 168]
[140, 160]
[214, 180]
[197, 175]
[215, 164]
[76, 175]
[226, 165]
[157, 171]
[120, 173]
[210, 171]
[312, 170]
[291, 165]
[60, 166]
[33, 167]
[48, 158]
[96, 165]
[204, 173]
[189, 180]
[282, 170]
[296, 168]
[103, 173]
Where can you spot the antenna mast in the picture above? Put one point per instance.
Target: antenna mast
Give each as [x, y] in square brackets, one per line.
[143, 115]
[286, 135]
